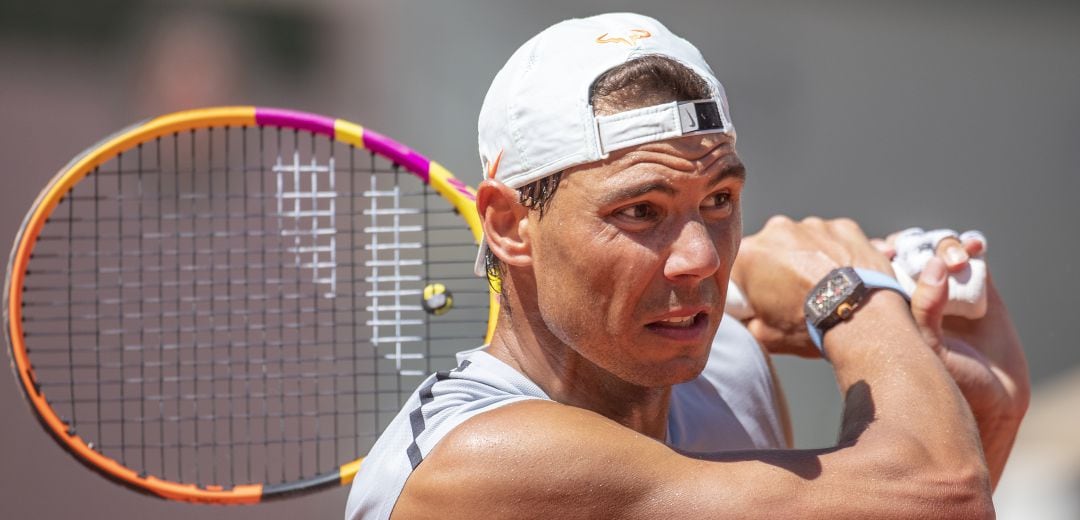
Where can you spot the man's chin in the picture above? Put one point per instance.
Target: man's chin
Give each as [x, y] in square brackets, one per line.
[670, 373]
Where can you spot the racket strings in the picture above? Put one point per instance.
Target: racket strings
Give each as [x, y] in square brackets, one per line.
[230, 306]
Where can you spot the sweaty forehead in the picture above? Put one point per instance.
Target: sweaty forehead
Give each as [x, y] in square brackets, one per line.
[687, 153]
[695, 157]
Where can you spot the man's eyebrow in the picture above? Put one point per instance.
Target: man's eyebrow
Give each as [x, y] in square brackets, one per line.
[735, 169]
[732, 170]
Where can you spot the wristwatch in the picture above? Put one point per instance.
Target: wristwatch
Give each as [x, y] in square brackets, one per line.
[836, 297]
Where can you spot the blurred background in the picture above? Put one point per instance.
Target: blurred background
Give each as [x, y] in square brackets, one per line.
[962, 114]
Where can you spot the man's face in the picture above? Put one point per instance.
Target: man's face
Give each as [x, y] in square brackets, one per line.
[633, 254]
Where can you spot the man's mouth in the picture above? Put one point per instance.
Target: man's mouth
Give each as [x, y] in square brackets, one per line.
[681, 327]
[680, 323]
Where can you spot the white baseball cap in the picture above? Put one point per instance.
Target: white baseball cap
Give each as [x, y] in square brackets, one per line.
[536, 119]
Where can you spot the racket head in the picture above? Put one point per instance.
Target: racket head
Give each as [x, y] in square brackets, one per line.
[95, 352]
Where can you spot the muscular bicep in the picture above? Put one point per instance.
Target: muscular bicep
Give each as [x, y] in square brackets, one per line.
[545, 460]
[538, 459]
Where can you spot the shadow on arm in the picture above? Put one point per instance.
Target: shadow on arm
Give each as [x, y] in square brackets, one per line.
[859, 412]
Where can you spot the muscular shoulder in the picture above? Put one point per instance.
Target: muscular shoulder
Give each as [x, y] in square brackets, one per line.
[533, 459]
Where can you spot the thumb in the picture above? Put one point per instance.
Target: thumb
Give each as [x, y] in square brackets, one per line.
[784, 340]
[928, 302]
[765, 335]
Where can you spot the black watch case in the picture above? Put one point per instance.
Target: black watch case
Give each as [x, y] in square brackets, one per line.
[834, 298]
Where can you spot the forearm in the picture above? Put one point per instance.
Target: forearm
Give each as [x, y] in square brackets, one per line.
[987, 361]
[875, 478]
[908, 445]
[898, 395]
[998, 436]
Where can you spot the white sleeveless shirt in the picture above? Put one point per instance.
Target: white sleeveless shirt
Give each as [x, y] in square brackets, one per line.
[730, 406]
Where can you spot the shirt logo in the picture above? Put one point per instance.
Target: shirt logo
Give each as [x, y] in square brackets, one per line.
[630, 39]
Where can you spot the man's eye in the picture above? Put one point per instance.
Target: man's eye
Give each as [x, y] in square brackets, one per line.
[639, 212]
[719, 200]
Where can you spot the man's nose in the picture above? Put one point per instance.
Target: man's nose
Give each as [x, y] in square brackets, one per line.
[693, 253]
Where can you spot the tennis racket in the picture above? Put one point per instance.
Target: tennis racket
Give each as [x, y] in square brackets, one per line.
[228, 305]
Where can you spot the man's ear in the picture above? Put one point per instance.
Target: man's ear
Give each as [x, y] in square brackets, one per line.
[505, 222]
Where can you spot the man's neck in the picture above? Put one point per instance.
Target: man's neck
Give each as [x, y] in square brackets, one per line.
[569, 378]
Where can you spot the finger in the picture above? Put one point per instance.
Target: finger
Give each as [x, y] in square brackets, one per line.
[974, 242]
[765, 335]
[813, 222]
[928, 302]
[952, 253]
[847, 227]
[894, 236]
[974, 247]
[886, 248]
[779, 221]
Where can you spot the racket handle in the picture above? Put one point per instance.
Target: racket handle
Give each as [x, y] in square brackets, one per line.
[967, 292]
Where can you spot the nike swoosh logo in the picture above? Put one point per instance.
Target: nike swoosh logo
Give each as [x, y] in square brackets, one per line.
[690, 117]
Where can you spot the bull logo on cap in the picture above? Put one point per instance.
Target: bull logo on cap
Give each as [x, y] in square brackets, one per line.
[630, 39]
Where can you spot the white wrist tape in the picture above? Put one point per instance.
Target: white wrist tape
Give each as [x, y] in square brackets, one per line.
[737, 305]
[967, 287]
[914, 248]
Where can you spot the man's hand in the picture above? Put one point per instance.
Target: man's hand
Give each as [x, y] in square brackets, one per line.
[984, 356]
[777, 267]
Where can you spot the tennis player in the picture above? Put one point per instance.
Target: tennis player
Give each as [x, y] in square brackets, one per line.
[613, 388]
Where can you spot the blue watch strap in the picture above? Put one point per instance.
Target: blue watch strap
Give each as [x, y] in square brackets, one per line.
[871, 280]
[817, 337]
[879, 280]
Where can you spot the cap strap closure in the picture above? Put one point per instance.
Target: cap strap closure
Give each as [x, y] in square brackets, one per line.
[659, 122]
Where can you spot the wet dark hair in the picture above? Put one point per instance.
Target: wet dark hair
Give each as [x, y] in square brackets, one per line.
[640, 82]
[645, 81]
